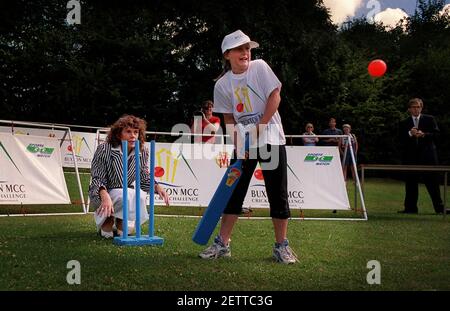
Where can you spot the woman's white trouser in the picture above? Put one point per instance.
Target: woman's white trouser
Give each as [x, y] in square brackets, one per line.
[116, 197]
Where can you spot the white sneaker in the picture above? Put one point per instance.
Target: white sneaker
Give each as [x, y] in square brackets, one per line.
[216, 250]
[284, 254]
[107, 234]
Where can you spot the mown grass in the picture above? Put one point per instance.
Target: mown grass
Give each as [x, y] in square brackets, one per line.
[413, 250]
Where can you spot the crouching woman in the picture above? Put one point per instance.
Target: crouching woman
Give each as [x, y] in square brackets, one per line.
[106, 188]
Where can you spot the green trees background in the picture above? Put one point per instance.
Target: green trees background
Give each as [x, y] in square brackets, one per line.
[158, 59]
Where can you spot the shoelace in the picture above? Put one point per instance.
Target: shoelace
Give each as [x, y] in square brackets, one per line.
[214, 248]
[291, 253]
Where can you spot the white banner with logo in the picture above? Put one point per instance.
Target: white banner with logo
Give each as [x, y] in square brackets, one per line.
[83, 143]
[31, 170]
[190, 174]
[83, 147]
[315, 180]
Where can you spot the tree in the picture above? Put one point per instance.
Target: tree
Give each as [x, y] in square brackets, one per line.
[158, 60]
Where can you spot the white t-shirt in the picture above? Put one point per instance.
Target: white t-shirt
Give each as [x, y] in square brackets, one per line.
[246, 94]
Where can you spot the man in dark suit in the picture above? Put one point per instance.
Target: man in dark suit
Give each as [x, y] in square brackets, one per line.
[418, 134]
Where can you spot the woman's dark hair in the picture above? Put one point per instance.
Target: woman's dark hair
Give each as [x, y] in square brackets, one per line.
[206, 104]
[114, 135]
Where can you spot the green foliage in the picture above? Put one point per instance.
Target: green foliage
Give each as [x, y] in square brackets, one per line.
[158, 59]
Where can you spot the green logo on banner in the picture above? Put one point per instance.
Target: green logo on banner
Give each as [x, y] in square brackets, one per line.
[37, 148]
[326, 158]
[318, 157]
[311, 158]
[321, 158]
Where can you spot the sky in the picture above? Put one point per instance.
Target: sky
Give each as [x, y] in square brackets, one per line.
[389, 12]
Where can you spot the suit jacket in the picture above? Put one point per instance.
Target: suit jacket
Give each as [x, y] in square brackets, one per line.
[419, 151]
[107, 170]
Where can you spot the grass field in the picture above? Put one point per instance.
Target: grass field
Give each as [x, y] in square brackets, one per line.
[413, 251]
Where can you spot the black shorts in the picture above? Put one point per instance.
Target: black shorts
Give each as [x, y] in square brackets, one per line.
[275, 181]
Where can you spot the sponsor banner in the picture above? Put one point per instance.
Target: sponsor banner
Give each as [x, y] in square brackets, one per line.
[31, 170]
[190, 173]
[83, 147]
[83, 143]
[315, 180]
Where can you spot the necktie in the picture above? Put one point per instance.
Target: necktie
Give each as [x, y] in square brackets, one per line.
[416, 122]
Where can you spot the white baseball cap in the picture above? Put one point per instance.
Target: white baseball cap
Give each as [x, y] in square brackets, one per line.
[236, 39]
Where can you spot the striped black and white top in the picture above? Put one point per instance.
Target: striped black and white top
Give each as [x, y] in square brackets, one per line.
[107, 170]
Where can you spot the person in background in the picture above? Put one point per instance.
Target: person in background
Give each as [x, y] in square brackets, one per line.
[331, 130]
[345, 150]
[205, 123]
[418, 134]
[307, 141]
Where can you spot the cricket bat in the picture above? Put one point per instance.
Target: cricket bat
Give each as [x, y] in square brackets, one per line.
[218, 202]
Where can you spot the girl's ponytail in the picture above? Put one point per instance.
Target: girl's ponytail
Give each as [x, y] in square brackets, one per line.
[226, 68]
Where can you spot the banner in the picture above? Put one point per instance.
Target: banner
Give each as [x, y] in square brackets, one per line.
[83, 143]
[83, 147]
[190, 174]
[31, 171]
[315, 180]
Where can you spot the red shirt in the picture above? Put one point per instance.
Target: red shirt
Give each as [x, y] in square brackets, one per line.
[208, 139]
